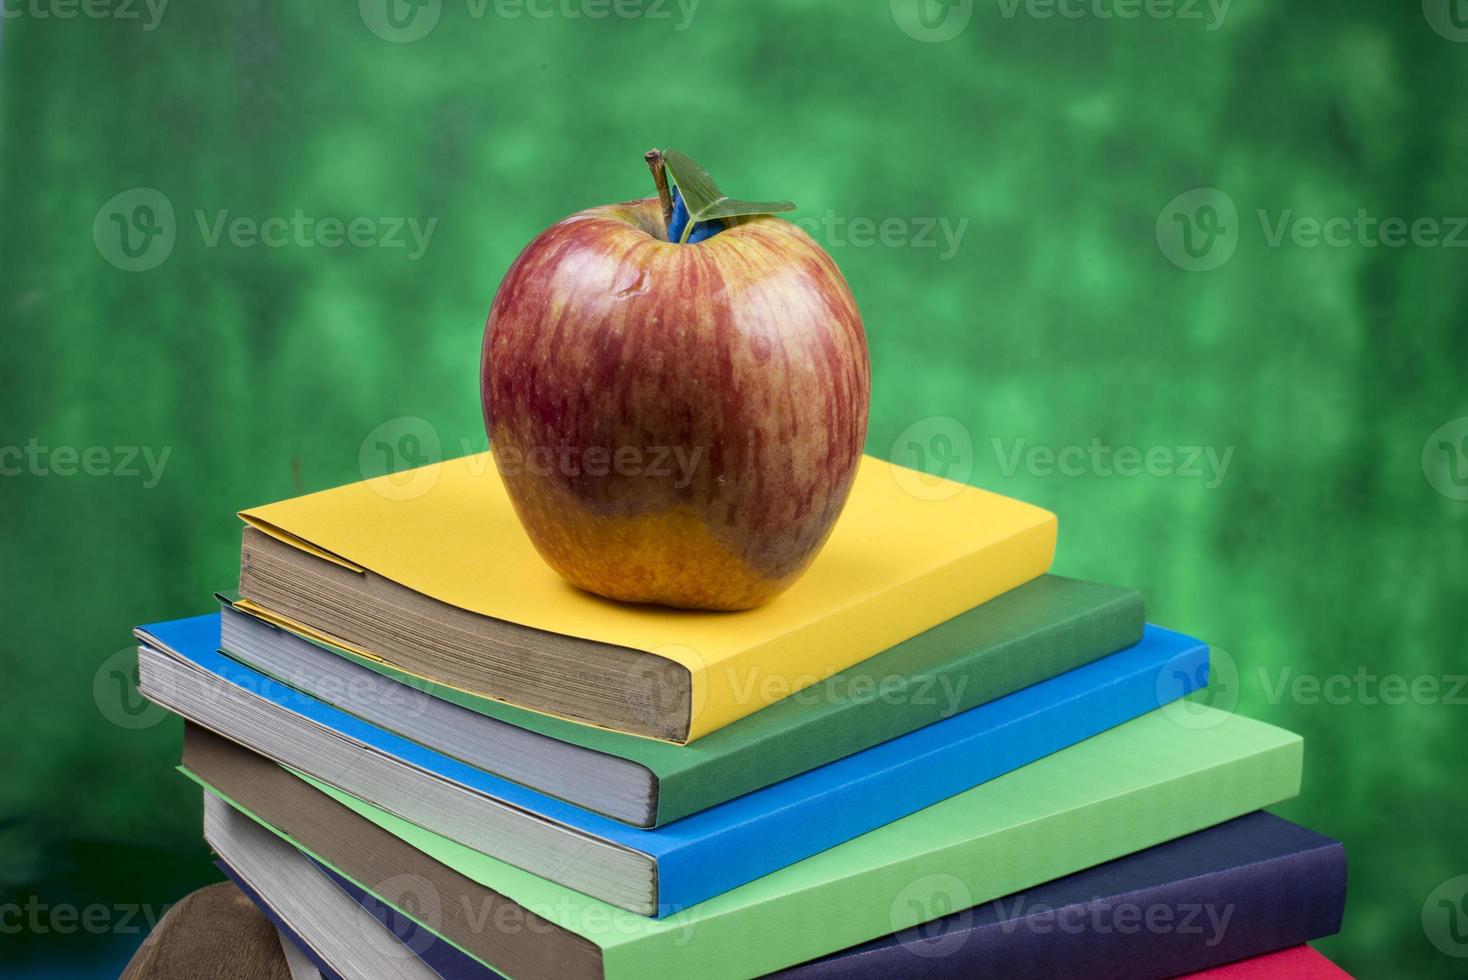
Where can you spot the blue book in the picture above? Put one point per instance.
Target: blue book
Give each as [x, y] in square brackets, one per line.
[659, 871]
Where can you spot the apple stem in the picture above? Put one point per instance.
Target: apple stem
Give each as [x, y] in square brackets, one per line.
[654, 158]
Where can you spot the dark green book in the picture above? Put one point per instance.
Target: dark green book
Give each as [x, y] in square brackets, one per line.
[1027, 635]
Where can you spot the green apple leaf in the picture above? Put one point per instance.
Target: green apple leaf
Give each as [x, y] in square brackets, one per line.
[704, 200]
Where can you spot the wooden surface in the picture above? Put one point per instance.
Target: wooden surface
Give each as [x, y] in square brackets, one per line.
[215, 933]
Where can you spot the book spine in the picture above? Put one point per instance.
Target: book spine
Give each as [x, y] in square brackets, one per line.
[1162, 931]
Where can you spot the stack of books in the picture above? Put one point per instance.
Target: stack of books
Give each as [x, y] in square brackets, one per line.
[423, 754]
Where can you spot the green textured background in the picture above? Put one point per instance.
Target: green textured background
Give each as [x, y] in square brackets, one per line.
[1327, 547]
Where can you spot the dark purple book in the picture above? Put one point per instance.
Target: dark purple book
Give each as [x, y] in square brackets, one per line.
[1247, 887]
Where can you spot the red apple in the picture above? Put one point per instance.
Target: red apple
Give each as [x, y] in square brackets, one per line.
[676, 423]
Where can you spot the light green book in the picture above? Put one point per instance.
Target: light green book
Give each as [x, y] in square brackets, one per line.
[1150, 780]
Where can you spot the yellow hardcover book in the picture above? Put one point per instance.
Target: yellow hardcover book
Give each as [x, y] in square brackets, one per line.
[430, 571]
